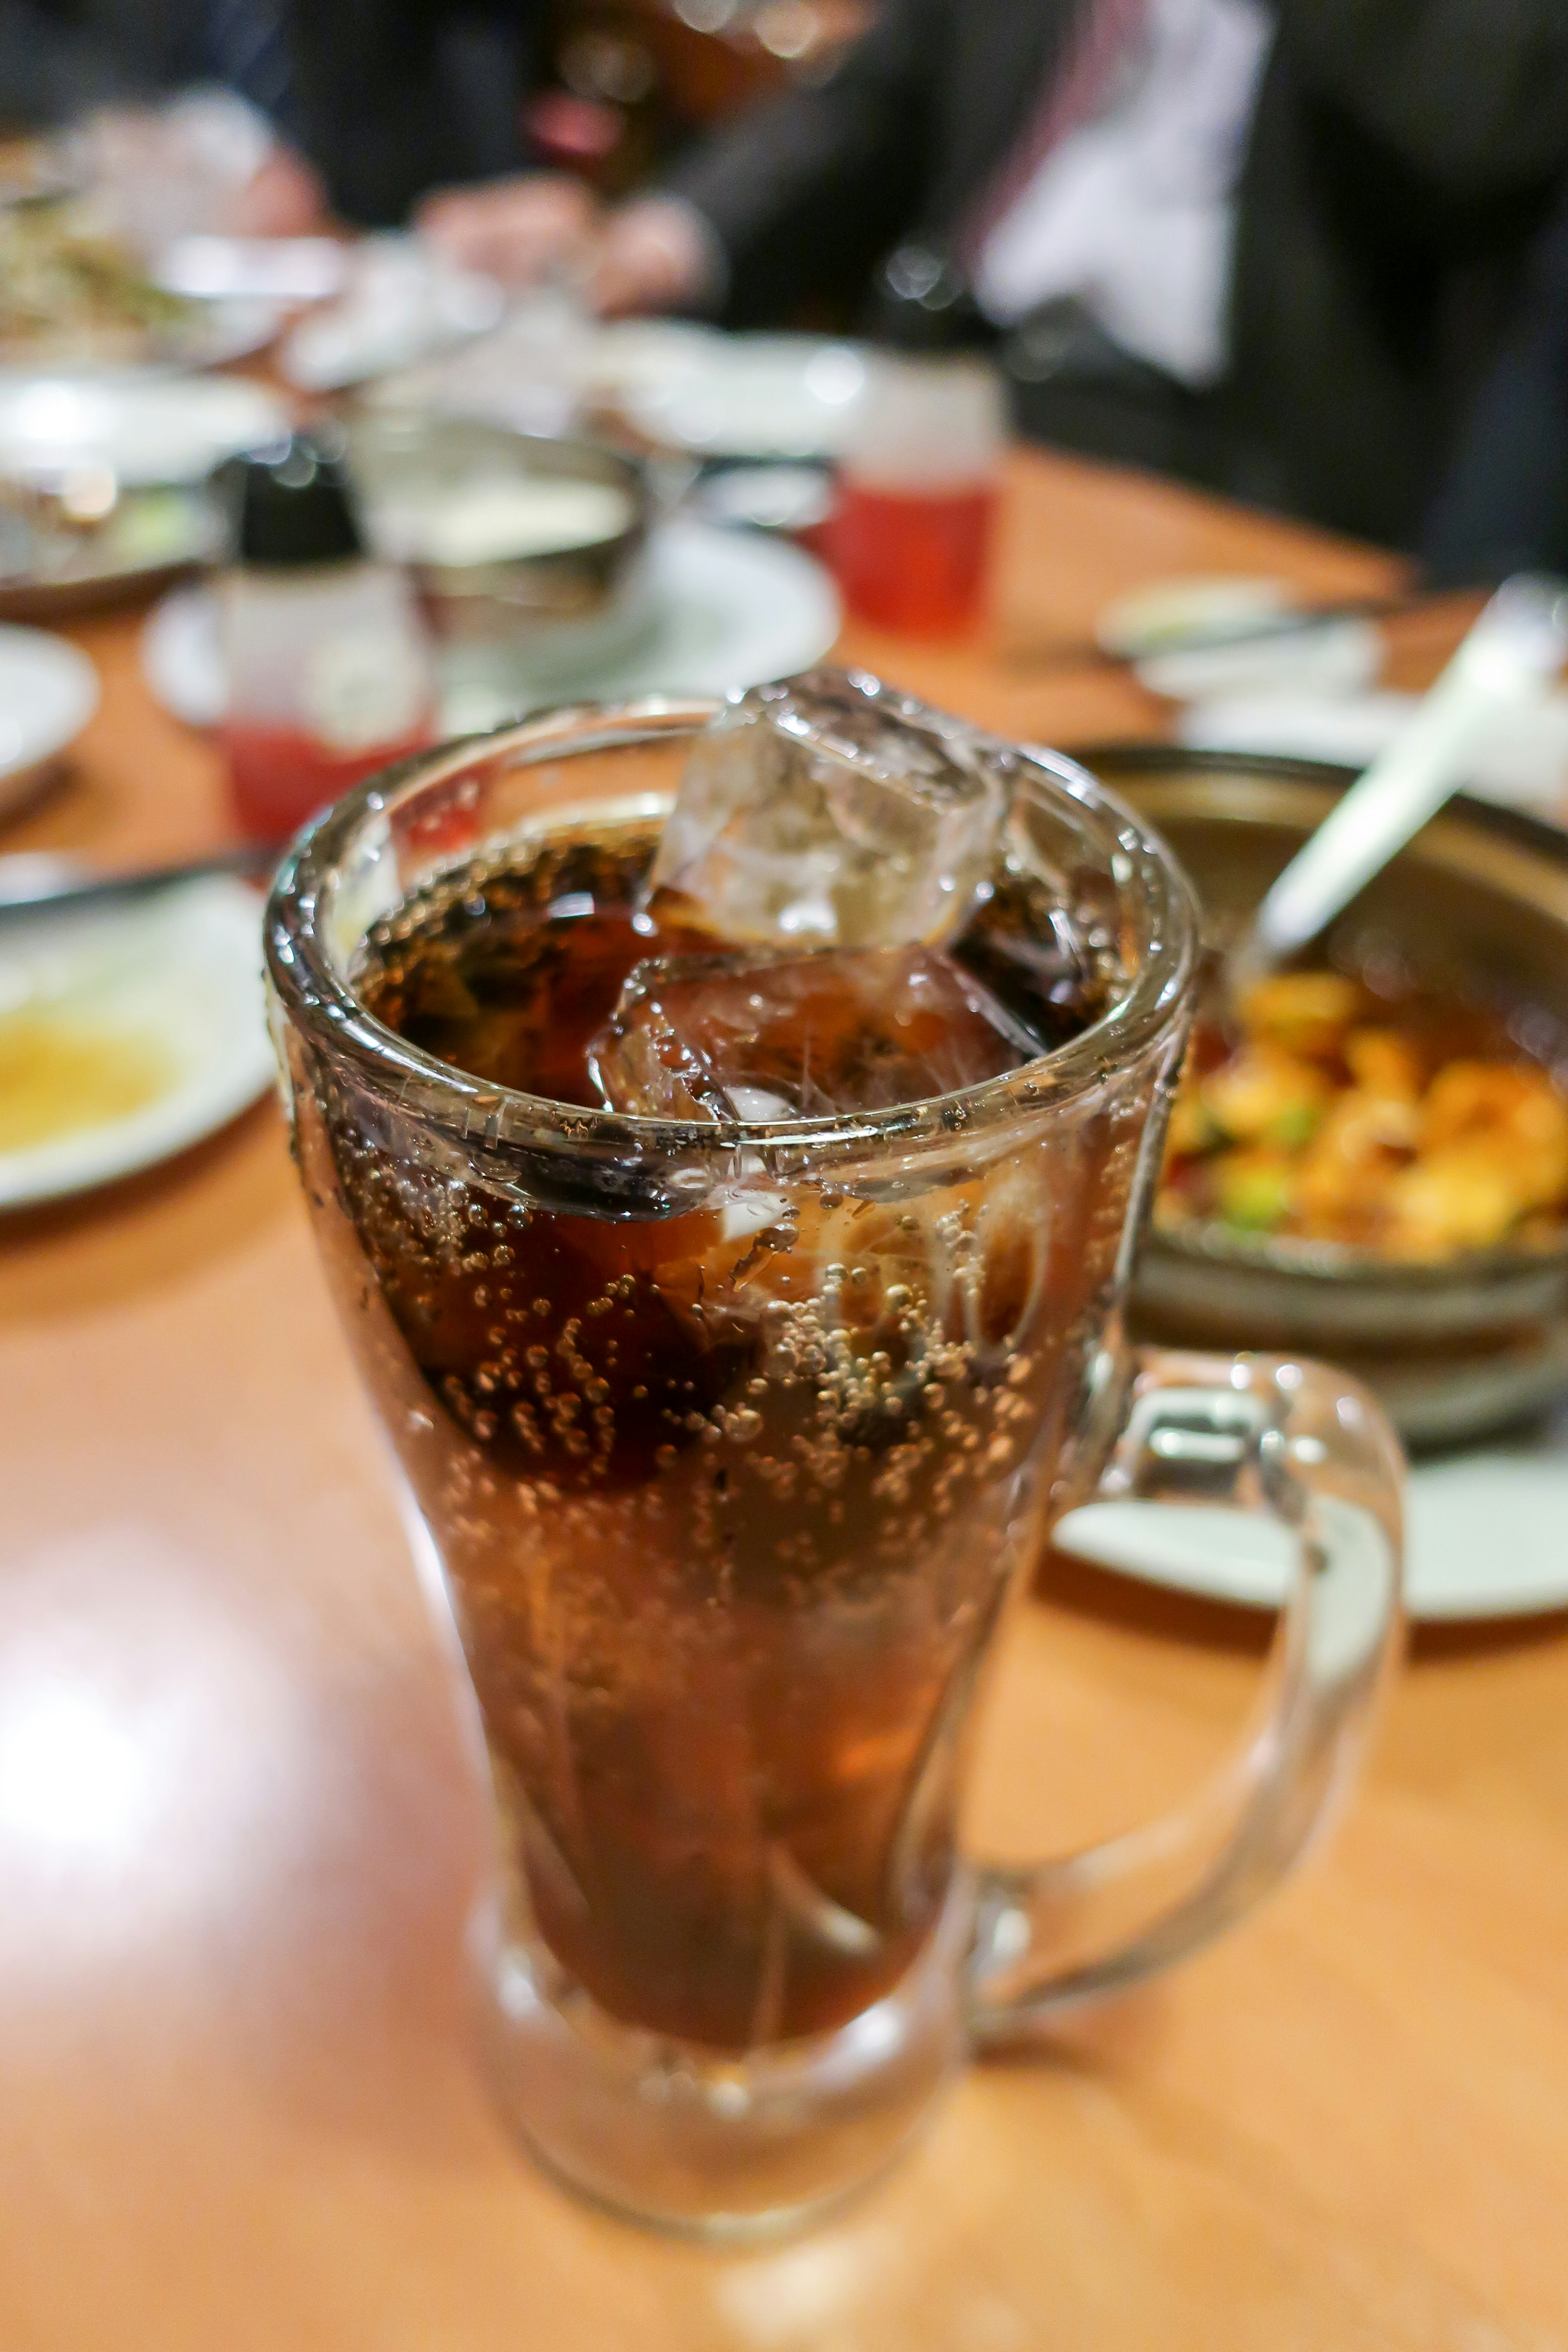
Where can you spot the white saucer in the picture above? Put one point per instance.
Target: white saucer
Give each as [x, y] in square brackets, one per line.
[210, 334]
[1176, 634]
[148, 427]
[1326, 658]
[750, 395]
[399, 303]
[1523, 760]
[49, 691]
[1168, 615]
[182, 975]
[731, 609]
[276, 270]
[228, 328]
[1487, 1536]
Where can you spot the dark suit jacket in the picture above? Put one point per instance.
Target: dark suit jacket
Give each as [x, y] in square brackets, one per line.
[392, 97]
[1403, 153]
[1503, 506]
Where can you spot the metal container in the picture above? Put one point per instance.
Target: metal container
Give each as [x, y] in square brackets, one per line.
[150, 537]
[1479, 901]
[558, 605]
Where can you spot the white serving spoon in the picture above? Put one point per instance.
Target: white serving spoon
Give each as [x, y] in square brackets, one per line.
[1512, 655]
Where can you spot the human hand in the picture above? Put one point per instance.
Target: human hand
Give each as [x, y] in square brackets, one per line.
[515, 230]
[286, 196]
[654, 254]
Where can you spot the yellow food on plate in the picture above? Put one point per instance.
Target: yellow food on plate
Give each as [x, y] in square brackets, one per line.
[1409, 1125]
[60, 1075]
[1305, 1012]
[1264, 1094]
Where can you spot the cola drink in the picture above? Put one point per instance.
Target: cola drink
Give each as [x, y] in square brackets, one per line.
[742, 1293]
[727, 1495]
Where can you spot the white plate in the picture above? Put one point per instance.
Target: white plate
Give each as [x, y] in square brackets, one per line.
[1329, 657]
[271, 269]
[400, 302]
[230, 327]
[211, 333]
[49, 691]
[1523, 761]
[150, 428]
[752, 396]
[181, 660]
[183, 971]
[1168, 615]
[1174, 631]
[546, 365]
[629, 357]
[1349, 730]
[731, 609]
[1487, 1536]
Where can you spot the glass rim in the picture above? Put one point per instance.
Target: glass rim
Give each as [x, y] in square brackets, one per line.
[323, 1007]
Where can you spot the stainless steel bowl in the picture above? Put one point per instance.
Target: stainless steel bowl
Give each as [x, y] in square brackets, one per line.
[153, 537]
[1480, 901]
[554, 603]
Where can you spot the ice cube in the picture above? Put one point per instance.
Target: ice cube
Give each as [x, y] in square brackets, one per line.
[831, 811]
[779, 1037]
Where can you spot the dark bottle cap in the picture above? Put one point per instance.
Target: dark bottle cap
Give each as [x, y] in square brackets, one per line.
[921, 302]
[293, 505]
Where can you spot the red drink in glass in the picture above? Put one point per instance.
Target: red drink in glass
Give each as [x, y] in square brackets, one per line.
[913, 559]
[281, 775]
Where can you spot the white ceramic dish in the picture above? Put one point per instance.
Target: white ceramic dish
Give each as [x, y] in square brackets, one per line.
[1173, 632]
[728, 609]
[227, 328]
[630, 358]
[752, 396]
[276, 270]
[785, 497]
[399, 303]
[49, 691]
[548, 366]
[1524, 761]
[1166, 614]
[182, 976]
[1328, 657]
[210, 334]
[150, 428]
[1487, 1530]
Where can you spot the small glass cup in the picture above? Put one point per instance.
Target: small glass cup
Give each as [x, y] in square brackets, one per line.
[729, 1447]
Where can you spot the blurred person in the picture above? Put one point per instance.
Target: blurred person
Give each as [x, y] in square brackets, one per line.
[1502, 505]
[1263, 244]
[521, 230]
[368, 102]
[205, 160]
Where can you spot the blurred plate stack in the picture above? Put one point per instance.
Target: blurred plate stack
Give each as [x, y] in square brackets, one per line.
[1469, 1353]
[723, 609]
[49, 691]
[670, 386]
[126, 1036]
[102, 481]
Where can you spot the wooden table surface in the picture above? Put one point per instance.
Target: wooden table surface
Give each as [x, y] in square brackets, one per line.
[239, 1834]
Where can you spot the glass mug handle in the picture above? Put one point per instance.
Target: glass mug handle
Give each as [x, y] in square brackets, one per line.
[1310, 1450]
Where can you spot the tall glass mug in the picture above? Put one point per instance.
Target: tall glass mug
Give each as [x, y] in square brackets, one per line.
[734, 1444]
